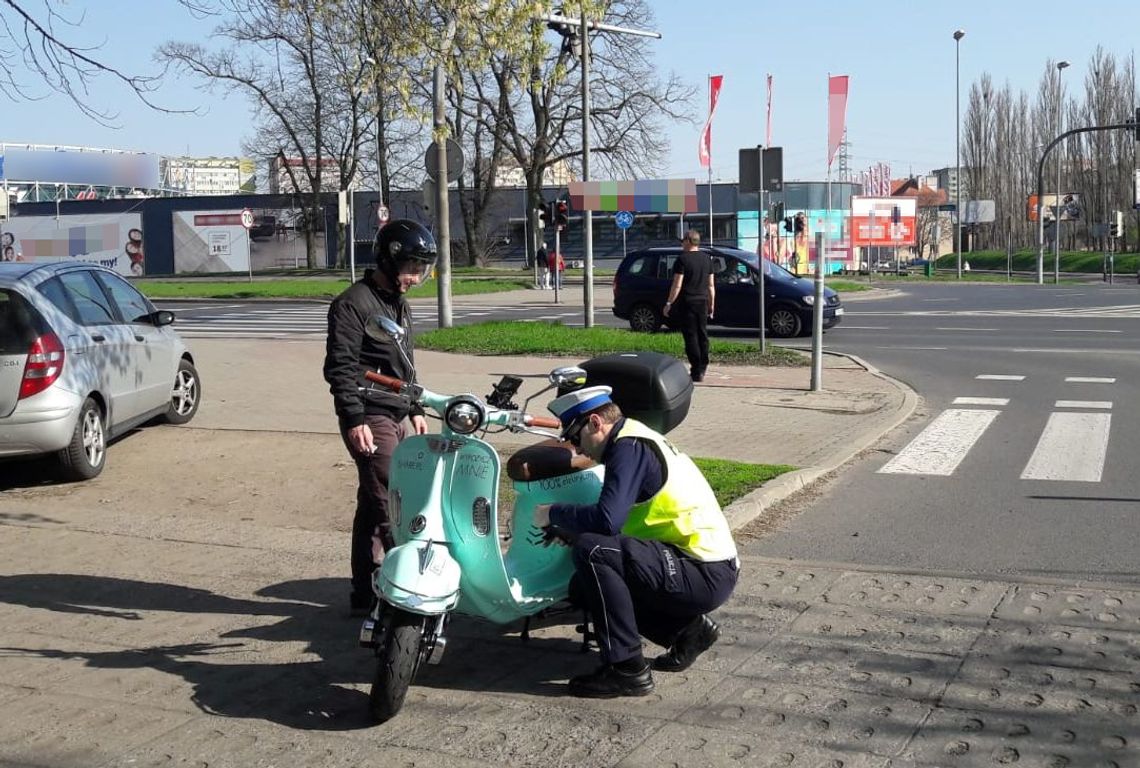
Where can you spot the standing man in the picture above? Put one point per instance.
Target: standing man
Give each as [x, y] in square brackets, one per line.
[372, 420]
[651, 558]
[543, 270]
[691, 302]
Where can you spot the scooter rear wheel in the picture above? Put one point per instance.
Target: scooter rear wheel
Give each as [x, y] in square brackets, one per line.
[397, 659]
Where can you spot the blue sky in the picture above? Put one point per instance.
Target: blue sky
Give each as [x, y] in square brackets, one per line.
[899, 55]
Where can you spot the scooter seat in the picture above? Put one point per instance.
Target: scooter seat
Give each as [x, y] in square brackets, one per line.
[550, 458]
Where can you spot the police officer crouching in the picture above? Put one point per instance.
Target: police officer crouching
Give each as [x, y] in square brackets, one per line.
[651, 558]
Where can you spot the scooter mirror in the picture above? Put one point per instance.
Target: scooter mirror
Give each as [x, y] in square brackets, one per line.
[381, 328]
[568, 376]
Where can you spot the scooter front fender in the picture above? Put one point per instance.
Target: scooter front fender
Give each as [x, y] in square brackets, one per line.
[420, 577]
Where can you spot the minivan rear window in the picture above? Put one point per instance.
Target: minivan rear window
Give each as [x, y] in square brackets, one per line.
[20, 323]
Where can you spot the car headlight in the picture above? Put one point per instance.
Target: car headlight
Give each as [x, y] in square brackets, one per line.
[464, 415]
[809, 300]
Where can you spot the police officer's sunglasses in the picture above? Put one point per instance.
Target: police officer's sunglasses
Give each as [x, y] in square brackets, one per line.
[574, 434]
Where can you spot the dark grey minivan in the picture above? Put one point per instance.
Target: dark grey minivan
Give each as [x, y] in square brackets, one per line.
[641, 286]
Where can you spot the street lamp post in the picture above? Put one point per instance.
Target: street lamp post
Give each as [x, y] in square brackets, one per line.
[958, 35]
[1061, 65]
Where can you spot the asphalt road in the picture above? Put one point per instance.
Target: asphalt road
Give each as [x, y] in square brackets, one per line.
[1034, 474]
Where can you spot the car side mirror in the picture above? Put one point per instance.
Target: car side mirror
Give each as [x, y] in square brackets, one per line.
[162, 317]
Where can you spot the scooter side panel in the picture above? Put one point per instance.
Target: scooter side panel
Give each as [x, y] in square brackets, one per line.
[543, 572]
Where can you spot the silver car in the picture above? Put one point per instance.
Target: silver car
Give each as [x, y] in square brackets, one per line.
[84, 357]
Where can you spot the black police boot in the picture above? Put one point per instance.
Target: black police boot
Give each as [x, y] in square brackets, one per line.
[609, 682]
[360, 603]
[696, 638]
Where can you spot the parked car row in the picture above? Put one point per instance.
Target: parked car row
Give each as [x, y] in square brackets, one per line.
[84, 357]
[642, 282]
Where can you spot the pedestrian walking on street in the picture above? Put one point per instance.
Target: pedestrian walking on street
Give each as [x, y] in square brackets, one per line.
[372, 421]
[555, 265]
[540, 259]
[652, 558]
[692, 301]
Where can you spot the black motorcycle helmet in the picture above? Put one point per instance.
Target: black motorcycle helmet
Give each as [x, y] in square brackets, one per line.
[403, 241]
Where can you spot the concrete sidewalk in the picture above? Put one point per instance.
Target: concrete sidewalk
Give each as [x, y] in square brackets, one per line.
[187, 608]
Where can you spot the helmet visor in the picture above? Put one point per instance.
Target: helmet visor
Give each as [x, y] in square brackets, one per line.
[420, 269]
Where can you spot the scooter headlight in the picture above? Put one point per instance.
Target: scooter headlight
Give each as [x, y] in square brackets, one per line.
[465, 415]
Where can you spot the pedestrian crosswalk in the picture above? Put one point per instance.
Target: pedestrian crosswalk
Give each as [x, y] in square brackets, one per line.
[310, 321]
[1072, 446]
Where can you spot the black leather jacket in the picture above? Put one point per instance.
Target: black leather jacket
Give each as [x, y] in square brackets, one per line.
[349, 352]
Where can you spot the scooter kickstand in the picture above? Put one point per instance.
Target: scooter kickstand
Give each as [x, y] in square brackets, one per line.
[525, 636]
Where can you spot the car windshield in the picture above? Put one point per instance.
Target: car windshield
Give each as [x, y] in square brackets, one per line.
[771, 271]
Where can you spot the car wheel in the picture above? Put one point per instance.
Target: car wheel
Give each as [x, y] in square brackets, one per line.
[644, 319]
[86, 454]
[185, 395]
[784, 322]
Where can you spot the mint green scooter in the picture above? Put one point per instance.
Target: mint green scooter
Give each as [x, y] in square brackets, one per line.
[444, 507]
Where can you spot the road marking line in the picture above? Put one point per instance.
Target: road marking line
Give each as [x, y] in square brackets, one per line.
[1082, 330]
[1103, 405]
[939, 448]
[1089, 380]
[981, 401]
[917, 349]
[999, 377]
[966, 329]
[1072, 448]
[866, 327]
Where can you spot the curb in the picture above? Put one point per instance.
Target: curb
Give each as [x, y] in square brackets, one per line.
[753, 505]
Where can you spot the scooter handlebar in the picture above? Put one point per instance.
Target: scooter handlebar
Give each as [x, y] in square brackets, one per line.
[390, 382]
[542, 421]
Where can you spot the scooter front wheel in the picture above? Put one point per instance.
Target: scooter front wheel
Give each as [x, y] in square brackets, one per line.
[397, 659]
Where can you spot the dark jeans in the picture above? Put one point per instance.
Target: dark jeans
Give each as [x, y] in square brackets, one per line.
[637, 588]
[693, 320]
[371, 529]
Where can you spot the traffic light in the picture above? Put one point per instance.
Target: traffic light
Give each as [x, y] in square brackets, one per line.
[561, 213]
[1116, 226]
[1136, 123]
[543, 214]
[777, 212]
[896, 215]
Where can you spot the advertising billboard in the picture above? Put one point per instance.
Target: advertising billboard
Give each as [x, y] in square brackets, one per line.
[114, 240]
[1070, 207]
[883, 221]
[84, 167]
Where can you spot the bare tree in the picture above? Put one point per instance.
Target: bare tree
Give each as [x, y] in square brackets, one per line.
[35, 42]
[291, 60]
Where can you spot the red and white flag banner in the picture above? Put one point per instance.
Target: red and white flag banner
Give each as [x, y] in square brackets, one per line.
[704, 151]
[768, 132]
[836, 113]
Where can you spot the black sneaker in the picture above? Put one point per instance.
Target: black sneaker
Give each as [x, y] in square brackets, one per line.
[696, 638]
[608, 683]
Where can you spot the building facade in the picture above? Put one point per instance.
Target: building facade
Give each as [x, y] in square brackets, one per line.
[208, 175]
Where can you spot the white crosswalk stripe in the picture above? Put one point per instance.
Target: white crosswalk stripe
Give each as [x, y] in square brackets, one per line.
[940, 448]
[1115, 311]
[1072, 448]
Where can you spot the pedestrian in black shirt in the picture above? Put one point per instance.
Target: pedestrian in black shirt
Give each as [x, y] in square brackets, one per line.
[692, 301]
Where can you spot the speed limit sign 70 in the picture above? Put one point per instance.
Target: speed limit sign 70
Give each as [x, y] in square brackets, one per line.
[247, 218]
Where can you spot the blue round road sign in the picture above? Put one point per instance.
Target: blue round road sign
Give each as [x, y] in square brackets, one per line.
[624, 219]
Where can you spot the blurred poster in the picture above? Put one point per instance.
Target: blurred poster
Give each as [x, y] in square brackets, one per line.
[112, 240]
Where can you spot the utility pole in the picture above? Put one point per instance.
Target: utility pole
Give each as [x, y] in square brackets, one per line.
[442, 208]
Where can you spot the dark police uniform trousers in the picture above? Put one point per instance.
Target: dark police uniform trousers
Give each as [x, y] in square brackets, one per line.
[638, 588]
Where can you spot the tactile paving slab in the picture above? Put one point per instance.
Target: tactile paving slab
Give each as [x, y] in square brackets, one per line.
[866, 626]
[934, 594]
[836, 664]
[821, 717]
[958, 737]
[690, 746]
[787, 584]
[1104, 608]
